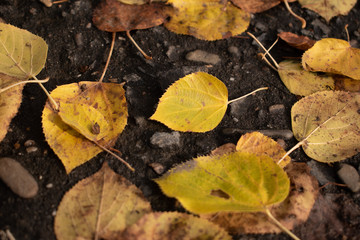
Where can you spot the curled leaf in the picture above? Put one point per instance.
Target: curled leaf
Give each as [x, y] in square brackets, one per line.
[296, 41]
[229, 182]
[99, 207]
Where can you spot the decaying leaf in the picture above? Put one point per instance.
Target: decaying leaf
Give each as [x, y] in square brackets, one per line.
[231, 182]
[329, 8]
[74, 143]
[260, 144]
[114, 16]
[327, 125]
[294, 210]
[196, 102]
[333, 56]
[174, 225]
[22, 54]
[256, 6]
[99, 207]
[346, 84]
[302, 82]
[296, 41]
[140, 2]
[10, 101]
[207, 19]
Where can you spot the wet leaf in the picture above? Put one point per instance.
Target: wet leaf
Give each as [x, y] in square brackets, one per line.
[22, 54]
[196, 102]
[10, 101]
[296, 41]
[230, 182]
[109, 103]
[329, 8]
[99, 207]
[114, 16]
[327, 125]
[302, 82]
[256, 6]
[207, 19]
[294, 210]
[174, 225]
[333, 56]
[260, 144]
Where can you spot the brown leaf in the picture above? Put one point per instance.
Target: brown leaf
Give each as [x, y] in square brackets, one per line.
[114, 16]
[296, 41]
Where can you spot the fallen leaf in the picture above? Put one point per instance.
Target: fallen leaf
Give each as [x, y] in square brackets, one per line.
[346, 84]
[22, 54]
[260, 144]
[293, 211]
[196, 102]
[296, 41]
[108, 100]
[140, 2]
[207, 19]
[174, 225]
[114, 16]
[230, 182]
[256, 6]
[99, 207]
[10, 101]
[223, 149]
[327, 126]
[329, 8]
[333, 56]
[302, 82]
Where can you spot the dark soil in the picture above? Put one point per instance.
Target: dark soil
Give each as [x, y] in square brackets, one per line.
[336, 214]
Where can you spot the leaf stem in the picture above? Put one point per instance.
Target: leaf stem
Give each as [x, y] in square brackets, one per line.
[347, 33]
[113, 154]
[137, 46]
[294, 14]
[266, 51]
[236, 99]
[291, 150]
[52, 100]
[23, 82]
[109, 56]
[282, 227]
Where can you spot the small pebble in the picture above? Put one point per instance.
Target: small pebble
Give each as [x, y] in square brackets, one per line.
[157, 167]
[277, 109]
[350, 177]
[234, 51]
[203, 56]
[18, 179]
[165, 140]
[53, 213]
[88, 25]
[322, 172]
[47, 3]
[29, 143]
[132, 78]
[31, 149]
[281, 142]
[49, 185]
[79, 40]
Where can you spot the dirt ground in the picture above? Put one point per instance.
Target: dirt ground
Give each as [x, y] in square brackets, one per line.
[78, 51]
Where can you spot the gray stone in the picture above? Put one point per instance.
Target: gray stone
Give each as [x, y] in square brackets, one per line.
[203, 56]
[157, 167]
[29, 143]
[132, 78]
[350, 177]
[273, 133]
[317, 24]
[32, 149]
[18, 179]
[165, 140]
[322, 172]
[277, 109]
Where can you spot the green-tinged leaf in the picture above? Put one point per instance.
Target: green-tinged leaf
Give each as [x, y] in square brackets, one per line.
[327, 124]
[22, 54]
[333, 56]
[99, 207]
[230, 182]
[329, 8]
[302, 82]
[196, 102]
[174, 225]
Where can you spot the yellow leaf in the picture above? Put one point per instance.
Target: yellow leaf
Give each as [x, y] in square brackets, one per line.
[294, 210]
[231, 182]
[71, 146]
[174, 225]
[346, 84]
[207, 19]
[260, 144]
[139, 2]
[196, 102]
[22, 54]
[327, 125]
[333, 56]
[10, 101]
[256, 6]
[302, 82]
[99, 207]
[329, 8]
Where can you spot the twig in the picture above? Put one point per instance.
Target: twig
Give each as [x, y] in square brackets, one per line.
[236, 99]
[109, 56]
[294, 14]
[137, 46]
[23, 82]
